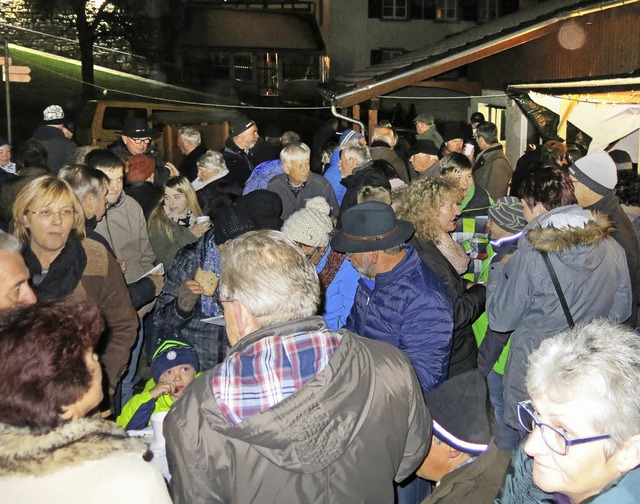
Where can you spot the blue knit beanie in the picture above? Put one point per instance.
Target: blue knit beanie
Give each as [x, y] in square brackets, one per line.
[172, 353]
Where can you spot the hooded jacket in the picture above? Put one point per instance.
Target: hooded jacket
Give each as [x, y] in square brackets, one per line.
[86, 460]
[345, 436]
[591, 268]
[239, 163]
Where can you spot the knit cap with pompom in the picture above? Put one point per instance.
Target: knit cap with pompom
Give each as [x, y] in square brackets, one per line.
[312, 225]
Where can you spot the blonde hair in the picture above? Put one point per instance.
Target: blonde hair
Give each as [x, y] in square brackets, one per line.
[158, 217]
[421, 202]
[39, 193]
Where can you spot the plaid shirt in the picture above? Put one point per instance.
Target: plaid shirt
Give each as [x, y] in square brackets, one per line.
[268, 371]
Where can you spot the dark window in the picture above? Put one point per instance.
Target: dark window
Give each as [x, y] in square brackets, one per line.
[243, 67]
[395, 9]
[382, 55]
[447, 10]
[114, 117]
[423, 9]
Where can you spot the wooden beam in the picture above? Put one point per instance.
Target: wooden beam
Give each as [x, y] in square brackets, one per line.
[441, 66]
[566, 107]
[465, 87]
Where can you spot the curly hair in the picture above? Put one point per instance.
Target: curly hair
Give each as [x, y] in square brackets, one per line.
[43, 348]
[422, 201]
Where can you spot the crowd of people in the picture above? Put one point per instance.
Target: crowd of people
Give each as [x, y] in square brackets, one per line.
[402, 320]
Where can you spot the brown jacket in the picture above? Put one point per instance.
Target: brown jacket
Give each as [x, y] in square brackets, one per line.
[475, 483]
[103, 283]
[343, 437]
[493, 171]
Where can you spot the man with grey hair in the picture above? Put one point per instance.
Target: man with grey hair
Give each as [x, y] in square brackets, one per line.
[492, 169]
[14, 275]
[383, 140]
[296, 412]
[583, 414]
[297, 184]
[358, 170]
[191, 146]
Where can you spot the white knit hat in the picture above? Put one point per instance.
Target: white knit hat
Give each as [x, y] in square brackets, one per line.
[312, 225]
[53, 114]
[597, 171]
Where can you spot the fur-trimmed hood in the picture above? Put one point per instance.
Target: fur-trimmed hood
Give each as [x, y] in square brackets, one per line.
[567, 227]
[23, 453]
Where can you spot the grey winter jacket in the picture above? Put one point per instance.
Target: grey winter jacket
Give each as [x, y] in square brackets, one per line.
[592, 271]
[360, 424]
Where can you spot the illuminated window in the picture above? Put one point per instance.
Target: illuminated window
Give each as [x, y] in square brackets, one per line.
[447, 10]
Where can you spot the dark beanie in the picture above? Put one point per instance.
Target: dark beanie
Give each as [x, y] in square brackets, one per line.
[240, 124]
[452, 131]
[172, 353]
[507, 213]
[459, 411]
[231, 223]
[264, 207]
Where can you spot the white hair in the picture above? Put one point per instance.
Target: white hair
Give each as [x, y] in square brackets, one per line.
[294, 152]
[599, 360]
[9, 243]
[212, 160]
[190, 134]
[360, 153]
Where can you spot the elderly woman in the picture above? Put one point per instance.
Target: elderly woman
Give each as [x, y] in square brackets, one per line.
[567, 270]
[173, 222]
[310, 229]
[213, 188]
[431, 205]
[584, 419]
[50, 224]
[50, 378]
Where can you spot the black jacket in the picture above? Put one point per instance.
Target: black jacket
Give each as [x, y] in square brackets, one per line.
[59, 148]
[468, 305]
[161, 172]
[189, 166]
[363, 176]
[239, 163]
[145, 193]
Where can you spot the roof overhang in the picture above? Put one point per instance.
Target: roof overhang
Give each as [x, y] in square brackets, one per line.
[234, 29]
[457, 50]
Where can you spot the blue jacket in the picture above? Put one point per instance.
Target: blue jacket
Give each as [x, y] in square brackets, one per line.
[410, 309]
[340, 293]
[334, 176]
[262, 174]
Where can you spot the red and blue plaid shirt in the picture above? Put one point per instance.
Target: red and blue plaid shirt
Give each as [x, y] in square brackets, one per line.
[268, 371]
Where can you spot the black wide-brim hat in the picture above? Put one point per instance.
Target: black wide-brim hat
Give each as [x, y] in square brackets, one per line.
[370, 226]
[137, 127]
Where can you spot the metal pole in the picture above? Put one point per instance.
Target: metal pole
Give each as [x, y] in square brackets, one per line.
[6, 87]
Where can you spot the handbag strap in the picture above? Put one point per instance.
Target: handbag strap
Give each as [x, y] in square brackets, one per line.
[556, 284]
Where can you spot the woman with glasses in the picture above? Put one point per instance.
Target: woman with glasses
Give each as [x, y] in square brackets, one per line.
[567, 269]
[50, 224]
[174, 222]
[583, 418]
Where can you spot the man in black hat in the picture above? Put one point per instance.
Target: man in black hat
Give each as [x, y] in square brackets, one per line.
[463, 460]
[236, 152]
[399, 299]
[424, 159]
[136, 138]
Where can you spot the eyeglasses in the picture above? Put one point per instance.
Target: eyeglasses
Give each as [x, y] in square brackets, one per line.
[140, 141]
[46, 214]
[308, 255]
[556, 441]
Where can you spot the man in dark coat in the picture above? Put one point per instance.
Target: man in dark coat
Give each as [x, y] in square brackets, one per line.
[191, 146]
[594, 179]
[51, 134]
[463, 460]
[237, 149]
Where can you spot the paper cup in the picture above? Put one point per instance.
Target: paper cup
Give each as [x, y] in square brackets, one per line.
[157, 423]
[202, 218]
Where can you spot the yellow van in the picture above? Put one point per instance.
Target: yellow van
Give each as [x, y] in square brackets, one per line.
[101, 122]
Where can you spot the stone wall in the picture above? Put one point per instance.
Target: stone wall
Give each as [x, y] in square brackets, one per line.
[31, 29]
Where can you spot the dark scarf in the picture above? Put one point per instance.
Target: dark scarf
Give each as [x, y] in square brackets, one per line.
[330, 270]
[64, 272]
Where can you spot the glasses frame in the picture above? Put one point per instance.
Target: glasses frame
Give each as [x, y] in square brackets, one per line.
[49, 214]
[140, 141]
[527, 406]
